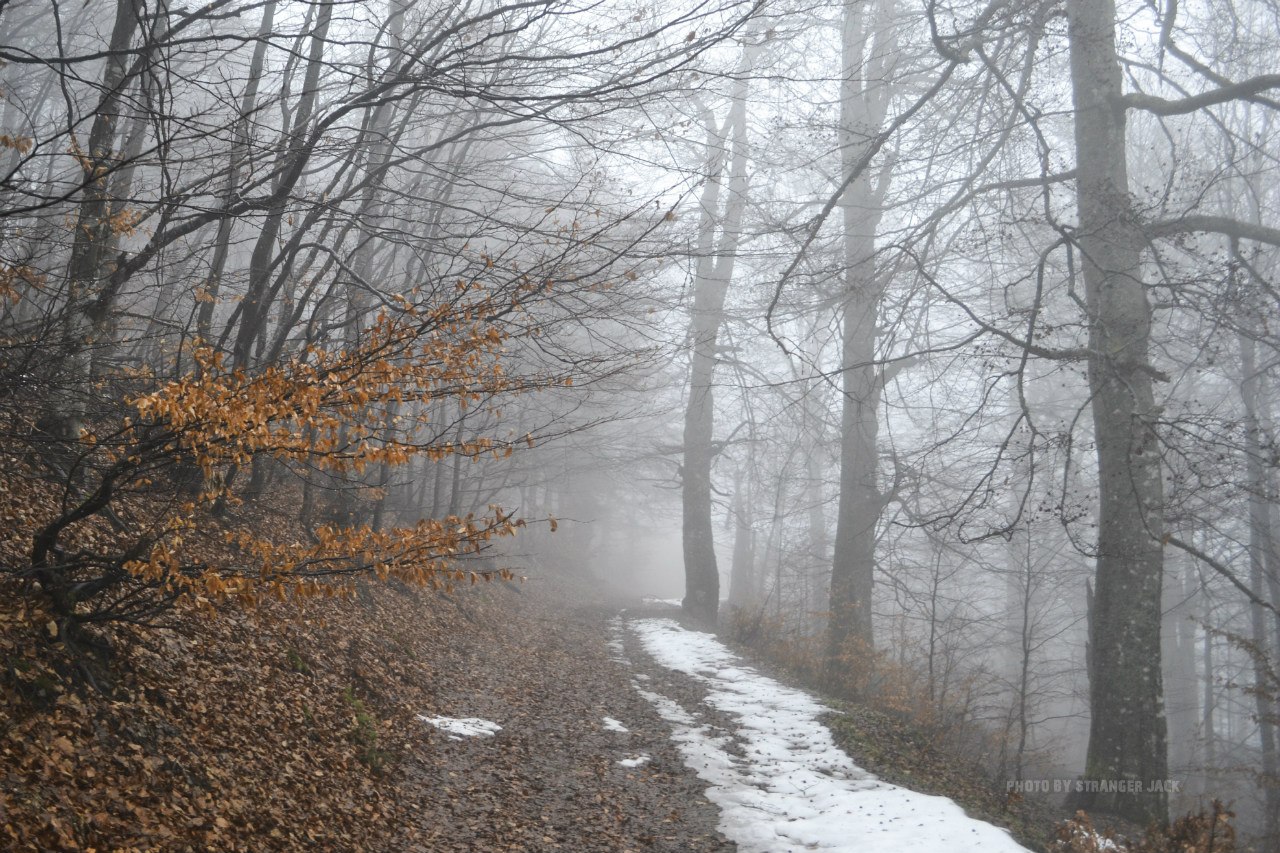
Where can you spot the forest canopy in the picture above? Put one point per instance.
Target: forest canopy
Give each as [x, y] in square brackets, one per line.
[272, 248]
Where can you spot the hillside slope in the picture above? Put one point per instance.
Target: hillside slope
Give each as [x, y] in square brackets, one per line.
[288, 730]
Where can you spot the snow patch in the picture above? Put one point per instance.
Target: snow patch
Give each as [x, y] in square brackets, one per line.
[793, 787]
[460, 727]
[617, 648]
[612, 725]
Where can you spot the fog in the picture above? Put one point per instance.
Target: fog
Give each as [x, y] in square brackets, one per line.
[928, 351]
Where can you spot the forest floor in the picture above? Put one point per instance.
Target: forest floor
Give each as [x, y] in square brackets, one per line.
[285, 731]
[282, 730]
[342, 726]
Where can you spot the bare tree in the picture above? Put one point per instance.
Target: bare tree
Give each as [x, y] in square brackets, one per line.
[719, 235]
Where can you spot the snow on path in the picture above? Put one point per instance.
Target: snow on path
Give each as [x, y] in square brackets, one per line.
[617, 651]
[795, 789]
[635, 760]
[460, 727]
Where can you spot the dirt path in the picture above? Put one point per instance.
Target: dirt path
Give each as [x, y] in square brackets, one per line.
[283, 730]
[551, 778]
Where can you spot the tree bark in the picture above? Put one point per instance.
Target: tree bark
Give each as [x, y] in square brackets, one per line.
[239, 154]
[1178, 640]
[1260, 535]
[863, 101]
[1208, 723]
[713, 272]
[253, 315]
[86, 267]
[1127, 738]
[742, 569]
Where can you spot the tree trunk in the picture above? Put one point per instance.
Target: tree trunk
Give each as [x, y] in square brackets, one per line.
[863, 101]
[713, 272]
[253, 310]
[1179, 656]
[1259, 538]
[818, 565]
[239, 154]
[1127, 726]
[742, 570]
[86, 267]
[1208, 705]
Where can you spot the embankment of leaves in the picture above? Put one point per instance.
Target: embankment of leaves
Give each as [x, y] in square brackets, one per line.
[278, 728]
[271, 730]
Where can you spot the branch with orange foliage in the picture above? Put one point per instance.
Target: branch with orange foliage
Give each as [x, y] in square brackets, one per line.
[325, 409]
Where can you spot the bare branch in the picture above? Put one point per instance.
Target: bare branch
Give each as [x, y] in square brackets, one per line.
[1214, 225]
[1233, 92]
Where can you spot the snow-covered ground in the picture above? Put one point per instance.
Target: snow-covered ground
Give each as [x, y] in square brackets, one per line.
[793, 788]
[634, 760]
[670, 602]
[460, 727]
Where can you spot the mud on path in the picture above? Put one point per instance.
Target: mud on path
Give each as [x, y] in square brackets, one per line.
[282, 729]
[560, 775]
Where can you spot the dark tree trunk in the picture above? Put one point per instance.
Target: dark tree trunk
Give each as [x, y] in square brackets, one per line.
[714, 271]
[1260, 535]
[88, 304]
[254, 308]
[1127, 740]
[239, 154]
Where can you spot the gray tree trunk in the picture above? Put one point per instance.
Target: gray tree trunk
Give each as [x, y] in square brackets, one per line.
[1178, 639]
[713, 272]
[1127, 739]
[253, 314]
[742, 570]
[87, 271]
[863, 101]
[239, 154]
[1260, 535]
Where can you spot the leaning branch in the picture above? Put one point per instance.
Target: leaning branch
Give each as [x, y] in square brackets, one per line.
[1224, 225]
[1223, 570]
[1233, 92]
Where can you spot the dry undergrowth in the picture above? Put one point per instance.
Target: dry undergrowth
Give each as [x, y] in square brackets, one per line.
[276, 728]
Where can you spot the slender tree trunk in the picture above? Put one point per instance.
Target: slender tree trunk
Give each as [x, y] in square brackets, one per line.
[818, 565]
[253, 310]
[863, 101]
[239, 153]
[1259, 538]
[1020, 628]
[1208, 704]
[370, 217]
[384, 468]
[87, 306]
[1179, 657]
[1273, 572]
[369, 220]
[713, 272]
[742, 570]
[455, 481]
[439, 468]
